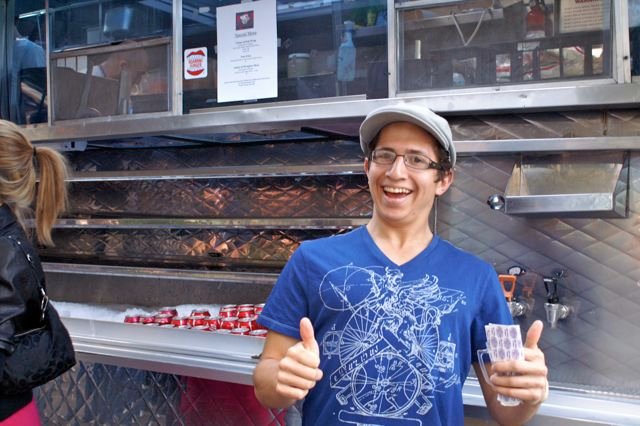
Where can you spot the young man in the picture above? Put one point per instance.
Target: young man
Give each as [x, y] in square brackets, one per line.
[381, 325]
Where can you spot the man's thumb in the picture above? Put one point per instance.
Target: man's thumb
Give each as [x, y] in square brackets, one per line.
[308, 336]
[533, 334]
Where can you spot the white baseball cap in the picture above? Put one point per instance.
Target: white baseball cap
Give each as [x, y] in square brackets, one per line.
[409, 112]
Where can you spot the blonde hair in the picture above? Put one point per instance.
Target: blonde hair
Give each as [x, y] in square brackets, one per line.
[18, 189]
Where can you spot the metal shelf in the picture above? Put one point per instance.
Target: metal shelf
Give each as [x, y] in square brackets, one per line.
[223, 223]
[347, 111]
[194, 353]
[230, 172]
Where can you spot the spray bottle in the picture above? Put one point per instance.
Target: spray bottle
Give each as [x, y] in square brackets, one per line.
[347, 54]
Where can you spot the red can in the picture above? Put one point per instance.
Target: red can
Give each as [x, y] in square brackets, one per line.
[147, 319]
[163, 319]
[250, 323]
[179, 321]
[214, 323]
[246, 305]
[132, 319]
[240, 331]
[228, 311]
[229, 323]
[258, 333]
[195, 321]
[227, 314]
[171, 311]
[200, 313]
[245, 312]
[258, 308]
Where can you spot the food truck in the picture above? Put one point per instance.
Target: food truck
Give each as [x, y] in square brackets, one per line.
[209, 139]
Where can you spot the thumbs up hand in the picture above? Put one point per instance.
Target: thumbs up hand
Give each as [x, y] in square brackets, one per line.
[527, 379]
[298, 371]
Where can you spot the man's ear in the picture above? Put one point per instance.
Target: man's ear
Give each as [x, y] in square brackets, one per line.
[444, 183]
[366, 165]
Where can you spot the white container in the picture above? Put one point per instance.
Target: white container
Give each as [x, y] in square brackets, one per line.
[298, 65]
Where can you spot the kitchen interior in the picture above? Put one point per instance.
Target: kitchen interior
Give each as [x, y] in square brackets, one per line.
[180, 199]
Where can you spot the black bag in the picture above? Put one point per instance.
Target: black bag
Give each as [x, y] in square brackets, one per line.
[40, 355]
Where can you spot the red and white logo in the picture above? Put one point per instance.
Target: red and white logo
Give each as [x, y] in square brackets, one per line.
[195, 63]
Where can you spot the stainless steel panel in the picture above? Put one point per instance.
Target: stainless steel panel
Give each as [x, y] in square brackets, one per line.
[594, 349]
[242, 223]
[215, 248]
[531, 97]
[315, 197]
[593, 204]
[154, 287]
[105, 394]
[195, 353]
[584, 184]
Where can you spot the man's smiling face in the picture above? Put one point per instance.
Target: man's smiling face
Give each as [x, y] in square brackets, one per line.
[402, 195]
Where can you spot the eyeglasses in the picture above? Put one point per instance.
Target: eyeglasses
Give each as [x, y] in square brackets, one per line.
[413, 161]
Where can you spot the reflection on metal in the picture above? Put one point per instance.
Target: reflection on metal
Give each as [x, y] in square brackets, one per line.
[241, 198]
[111, 48]
[186, 352]
[221, 172]
[160, 273]
[222, 223]
[294, 116]
[546, 145]
[570, 405]
[455, 18]
[181, 248]
[588, 185]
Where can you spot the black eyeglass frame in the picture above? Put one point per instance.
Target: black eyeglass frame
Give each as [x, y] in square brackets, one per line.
[430, 164]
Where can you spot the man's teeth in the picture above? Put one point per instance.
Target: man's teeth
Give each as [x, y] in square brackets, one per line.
[396, 190]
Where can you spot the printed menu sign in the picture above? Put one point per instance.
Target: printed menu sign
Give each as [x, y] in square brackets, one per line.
[247, 51]
[584, 15]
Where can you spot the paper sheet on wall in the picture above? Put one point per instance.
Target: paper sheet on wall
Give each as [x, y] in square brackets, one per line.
[584, 15]
[247, 51]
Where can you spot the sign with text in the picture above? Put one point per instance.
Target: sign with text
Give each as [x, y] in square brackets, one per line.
[247, 51]
[584, 15]
[195, 63]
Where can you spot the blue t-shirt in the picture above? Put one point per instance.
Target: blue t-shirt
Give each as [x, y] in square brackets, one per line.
[396, 342]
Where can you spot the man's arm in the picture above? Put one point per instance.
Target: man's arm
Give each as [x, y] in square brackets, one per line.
[526, 380]
[288, 368]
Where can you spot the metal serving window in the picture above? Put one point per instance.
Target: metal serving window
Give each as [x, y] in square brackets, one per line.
[323, 49]
[125, 78]
[474, 43]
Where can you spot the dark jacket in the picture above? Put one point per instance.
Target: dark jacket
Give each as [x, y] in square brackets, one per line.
[19, 295]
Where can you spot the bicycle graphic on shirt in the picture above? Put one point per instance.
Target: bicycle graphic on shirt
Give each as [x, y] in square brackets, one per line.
[390, 343]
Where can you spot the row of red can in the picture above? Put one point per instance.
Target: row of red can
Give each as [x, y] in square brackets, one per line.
[228, 326]
[241, 311]
[236, 319]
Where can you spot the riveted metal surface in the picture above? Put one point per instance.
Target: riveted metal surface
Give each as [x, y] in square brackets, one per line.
[100, 394]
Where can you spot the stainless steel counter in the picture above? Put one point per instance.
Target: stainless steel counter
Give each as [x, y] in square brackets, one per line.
[194, 353]
[232, 359]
